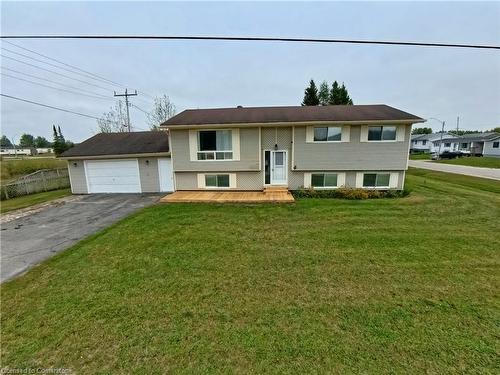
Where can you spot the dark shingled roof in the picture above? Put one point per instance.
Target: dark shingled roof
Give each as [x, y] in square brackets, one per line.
[241, 115]
[121, 144]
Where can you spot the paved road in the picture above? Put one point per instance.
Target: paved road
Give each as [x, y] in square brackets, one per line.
[491, 173]
[28, 240]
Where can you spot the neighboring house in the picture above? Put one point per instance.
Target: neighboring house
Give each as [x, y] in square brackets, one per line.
[44, 150]
[476, 144]
[18, 151]
[492, 146]
[324, 147]
[425, 142]
[136, 162]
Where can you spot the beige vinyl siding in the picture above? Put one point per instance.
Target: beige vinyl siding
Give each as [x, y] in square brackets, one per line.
[239, 180]
[352, 155]
[248, 153]
[148, 173]
[77, 177]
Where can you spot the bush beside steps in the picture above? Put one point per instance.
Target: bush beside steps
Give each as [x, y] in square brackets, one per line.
[349, 193]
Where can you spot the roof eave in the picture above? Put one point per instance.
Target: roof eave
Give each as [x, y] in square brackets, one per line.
[115, 156]
[290, 123]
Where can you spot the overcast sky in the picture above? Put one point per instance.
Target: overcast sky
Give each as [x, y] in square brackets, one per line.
[429, 82]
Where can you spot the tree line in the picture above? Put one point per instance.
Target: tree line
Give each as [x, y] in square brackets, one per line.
[59, 144]
[326, 95]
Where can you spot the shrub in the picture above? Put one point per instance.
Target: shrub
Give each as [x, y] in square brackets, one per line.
[349, 193]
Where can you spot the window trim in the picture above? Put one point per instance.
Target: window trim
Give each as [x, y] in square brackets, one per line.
[341, 177]
[324, 178]
[497, 143]
[213, 152]
[327, 127]
[201, 177]
[388, 186]
[193, 141]
[381, 133]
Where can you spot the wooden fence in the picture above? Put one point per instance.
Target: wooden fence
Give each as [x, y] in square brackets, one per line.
[42, 180]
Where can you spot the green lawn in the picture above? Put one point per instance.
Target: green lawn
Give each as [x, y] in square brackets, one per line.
[420, 156]
[321, 286]
[474, 161]
[13, 168]
[32, 199]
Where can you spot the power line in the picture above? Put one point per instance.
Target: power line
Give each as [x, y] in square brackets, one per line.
[71, 66]
[53, 65]
[139, 108]
[253, 39]
[56, 88]
[63, 63]
[49, 106]
[57, 73]
[51, 81]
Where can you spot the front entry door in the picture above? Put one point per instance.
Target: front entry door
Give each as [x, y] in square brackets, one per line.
[279, 168]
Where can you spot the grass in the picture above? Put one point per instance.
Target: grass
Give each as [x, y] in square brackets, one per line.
[474, 161]
[30, 200]
[321, 286]
[420, 156]
[11, 169]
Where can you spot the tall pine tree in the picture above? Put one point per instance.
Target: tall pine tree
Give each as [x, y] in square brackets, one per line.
[311, 94]
[339, 95]
[324, 93]
[58, 145]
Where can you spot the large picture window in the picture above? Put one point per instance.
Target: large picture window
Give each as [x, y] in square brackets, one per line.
[217, 180]
[382, 133]
[324, 180]
[215, 145]
[376, 179]
[328, 134]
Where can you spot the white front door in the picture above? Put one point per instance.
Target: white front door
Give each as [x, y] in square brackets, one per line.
[279, 168]
[165, 174]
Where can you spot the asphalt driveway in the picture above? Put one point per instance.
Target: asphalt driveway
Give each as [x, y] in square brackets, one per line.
[491, 173]
[28, 240]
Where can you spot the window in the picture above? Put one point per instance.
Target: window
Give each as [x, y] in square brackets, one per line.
[217, 180]
[496, 144]
[376, 179]
[382, 133]
[328, 134]
[423, 142]
[447, 144]
[464, 145]
[324, 180]
[215, 145]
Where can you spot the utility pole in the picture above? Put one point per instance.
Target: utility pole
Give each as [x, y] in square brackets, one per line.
[126, 95]
[458, 121]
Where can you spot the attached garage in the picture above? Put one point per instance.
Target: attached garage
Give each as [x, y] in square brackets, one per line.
[136, 162]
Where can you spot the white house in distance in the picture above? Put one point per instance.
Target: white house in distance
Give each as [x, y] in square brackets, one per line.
[10, 151]
[426, 142]
[477, 144]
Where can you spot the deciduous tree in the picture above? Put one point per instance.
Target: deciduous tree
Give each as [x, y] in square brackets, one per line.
[162, 110]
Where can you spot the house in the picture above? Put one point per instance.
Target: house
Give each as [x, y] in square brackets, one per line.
[425, 142]
[44, 150]
[250, 149]
[476, 144]
[18, 150]
[324, 147]
[136, 162]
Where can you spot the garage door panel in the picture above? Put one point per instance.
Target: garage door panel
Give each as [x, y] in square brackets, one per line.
[113, 176]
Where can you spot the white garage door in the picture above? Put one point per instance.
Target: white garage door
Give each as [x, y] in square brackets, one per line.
[113, 176]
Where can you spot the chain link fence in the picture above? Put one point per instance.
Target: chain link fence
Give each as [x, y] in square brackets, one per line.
[42, 180]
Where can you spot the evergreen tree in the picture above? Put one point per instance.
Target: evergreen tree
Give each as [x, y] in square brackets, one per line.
[311, 94]
[339, 95]
[344, 95]
[334, 94]
[57, 145]
[324, 93]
